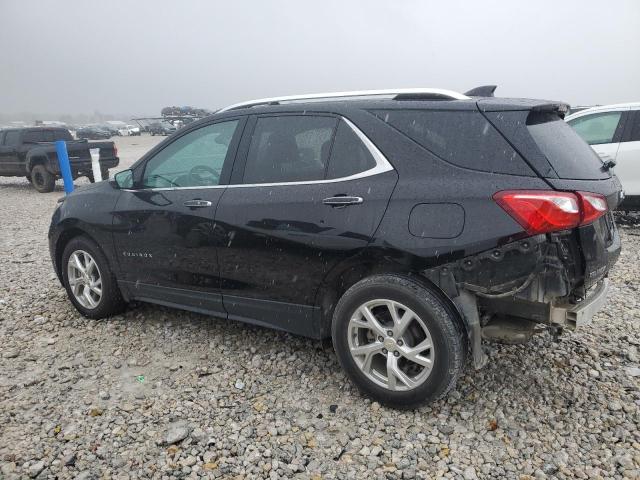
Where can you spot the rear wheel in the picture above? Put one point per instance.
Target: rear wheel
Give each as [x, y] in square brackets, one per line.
[42, 179]
[398, 341]
[90, 283]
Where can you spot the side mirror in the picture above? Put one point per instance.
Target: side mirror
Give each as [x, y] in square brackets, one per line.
[124, 179]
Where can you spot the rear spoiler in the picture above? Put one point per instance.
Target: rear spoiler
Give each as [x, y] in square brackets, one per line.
[521, 104]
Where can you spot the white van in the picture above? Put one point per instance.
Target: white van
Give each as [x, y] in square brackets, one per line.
[613, 131]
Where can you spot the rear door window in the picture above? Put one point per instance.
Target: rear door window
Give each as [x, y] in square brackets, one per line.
[349, 156]
[463, 138]
[289, 148]
[567, 152]
[48, 136]
[58, 134]
[597, 128]
[34, 136]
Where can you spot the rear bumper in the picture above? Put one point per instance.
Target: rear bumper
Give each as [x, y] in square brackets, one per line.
[572, 316]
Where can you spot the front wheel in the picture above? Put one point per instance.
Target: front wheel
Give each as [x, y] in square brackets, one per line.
[90, 283]
[42, 180]
[399, 342]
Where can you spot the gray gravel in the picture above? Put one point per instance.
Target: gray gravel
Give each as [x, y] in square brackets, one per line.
[159, 393]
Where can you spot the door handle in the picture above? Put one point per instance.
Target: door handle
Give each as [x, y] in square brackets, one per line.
[197, 203]
[342, 201]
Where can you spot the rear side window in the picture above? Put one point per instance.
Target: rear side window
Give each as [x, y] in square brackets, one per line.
[349, 155]
[290, 148]
[463, 138]
[567, 153]
[12, 138]
[598, 128]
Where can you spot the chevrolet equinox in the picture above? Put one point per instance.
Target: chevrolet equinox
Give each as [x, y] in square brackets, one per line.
[406, 225]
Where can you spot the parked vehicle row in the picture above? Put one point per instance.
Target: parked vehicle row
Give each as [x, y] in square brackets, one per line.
[31, 153]
[406, 225]
[161, 128]
[93, 133]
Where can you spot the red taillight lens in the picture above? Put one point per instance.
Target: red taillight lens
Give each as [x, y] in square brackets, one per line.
[541, 211]
[115, 151]
[592, 205]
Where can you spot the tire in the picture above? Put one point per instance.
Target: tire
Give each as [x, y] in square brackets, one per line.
[42, 180]
[431, 321]
[110, 301]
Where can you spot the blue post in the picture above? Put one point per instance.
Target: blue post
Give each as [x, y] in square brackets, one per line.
[65, 167]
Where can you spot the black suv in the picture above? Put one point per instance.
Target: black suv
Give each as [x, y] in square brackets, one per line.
[408, 226]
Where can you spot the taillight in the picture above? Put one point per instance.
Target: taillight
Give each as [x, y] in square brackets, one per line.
[115, 150]
[592, 205]
[542, 211]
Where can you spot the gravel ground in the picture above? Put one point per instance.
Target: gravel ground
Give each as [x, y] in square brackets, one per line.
[167, 394]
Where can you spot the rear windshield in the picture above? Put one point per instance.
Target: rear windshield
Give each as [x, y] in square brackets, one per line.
[463, 138]
[567, 153]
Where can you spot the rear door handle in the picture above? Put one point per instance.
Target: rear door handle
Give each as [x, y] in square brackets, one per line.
[342, 201]
[197, 203]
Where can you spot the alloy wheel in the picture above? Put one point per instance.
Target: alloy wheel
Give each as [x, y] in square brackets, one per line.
[84, 279]
[391, 344]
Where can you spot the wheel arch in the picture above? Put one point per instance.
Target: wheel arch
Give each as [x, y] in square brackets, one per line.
[348, 273]
[36, 158]
[63, 240]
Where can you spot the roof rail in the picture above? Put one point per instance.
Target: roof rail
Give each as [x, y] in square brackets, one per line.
[406, 93]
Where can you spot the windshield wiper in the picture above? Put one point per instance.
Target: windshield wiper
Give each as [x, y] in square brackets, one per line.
[607, 165]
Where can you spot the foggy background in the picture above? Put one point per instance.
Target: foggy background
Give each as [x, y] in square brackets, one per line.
[133, 58]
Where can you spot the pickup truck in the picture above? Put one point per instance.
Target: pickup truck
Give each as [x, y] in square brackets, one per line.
[31, 152]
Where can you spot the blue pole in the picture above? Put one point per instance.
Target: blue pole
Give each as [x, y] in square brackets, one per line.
[65, 167]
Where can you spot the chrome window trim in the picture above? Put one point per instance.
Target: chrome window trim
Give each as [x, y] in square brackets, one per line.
[382, 166]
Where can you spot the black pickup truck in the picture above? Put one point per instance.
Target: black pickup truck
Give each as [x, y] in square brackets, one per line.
[31, 152]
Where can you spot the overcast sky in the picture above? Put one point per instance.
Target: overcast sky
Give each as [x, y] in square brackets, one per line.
[78, 56]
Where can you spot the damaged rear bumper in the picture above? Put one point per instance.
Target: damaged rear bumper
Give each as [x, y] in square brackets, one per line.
[575, 315]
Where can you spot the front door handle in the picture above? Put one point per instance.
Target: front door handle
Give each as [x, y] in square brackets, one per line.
[197, 203]
[342, 201]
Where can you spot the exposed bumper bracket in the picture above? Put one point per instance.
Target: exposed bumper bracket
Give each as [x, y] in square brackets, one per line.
[468, 306]
[572, 316]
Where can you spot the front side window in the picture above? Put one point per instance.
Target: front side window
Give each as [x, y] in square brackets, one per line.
[193, 160]
[597, 128]
[289, 148]
[12, 138]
